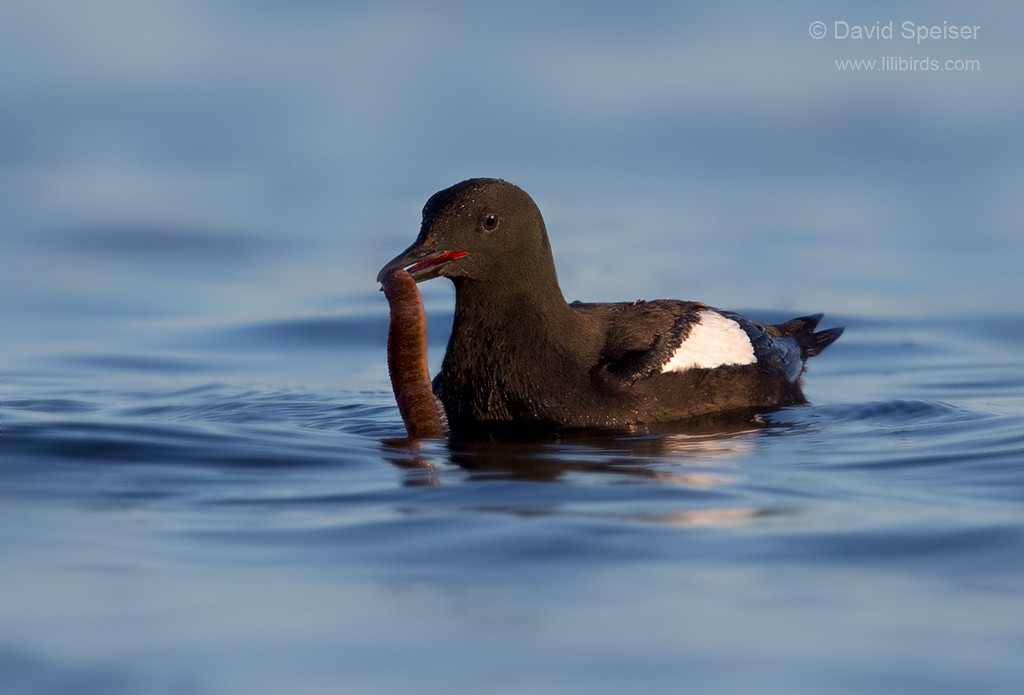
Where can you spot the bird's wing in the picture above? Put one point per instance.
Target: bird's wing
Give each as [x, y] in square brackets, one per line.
[642, 337]
[646, 338]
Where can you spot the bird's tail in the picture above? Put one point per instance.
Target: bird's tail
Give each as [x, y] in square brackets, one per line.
[802, 330]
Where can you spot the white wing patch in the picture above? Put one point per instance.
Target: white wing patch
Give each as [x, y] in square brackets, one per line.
[714, 342]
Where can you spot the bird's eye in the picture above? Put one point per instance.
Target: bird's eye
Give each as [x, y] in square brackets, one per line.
[489, 222]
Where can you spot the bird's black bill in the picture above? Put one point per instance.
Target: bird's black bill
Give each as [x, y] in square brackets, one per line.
[421, 263]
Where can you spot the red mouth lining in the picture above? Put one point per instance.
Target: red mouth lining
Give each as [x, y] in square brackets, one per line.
[443, 258]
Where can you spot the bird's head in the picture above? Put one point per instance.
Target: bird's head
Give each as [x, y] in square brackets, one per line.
[485, 230]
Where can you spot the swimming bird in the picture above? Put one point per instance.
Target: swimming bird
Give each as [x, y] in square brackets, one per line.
[519, 353]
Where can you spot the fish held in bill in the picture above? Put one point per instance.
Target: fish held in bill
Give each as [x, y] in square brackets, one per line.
[407, 358]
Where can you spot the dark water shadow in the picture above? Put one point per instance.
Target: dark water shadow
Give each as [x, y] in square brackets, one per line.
[22, 671]
[318, 333]
[168, 248]
[139, 364]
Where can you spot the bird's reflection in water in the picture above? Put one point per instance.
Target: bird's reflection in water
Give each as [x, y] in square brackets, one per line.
[697, 456]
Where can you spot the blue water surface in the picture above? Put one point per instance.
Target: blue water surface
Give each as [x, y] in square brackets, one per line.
[200, 485]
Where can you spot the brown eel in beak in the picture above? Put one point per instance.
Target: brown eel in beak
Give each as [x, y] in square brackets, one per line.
[407, 358]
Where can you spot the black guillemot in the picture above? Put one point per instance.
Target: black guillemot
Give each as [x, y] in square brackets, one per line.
[518, 353]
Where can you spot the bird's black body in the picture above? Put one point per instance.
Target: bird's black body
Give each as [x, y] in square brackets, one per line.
[519, 353]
